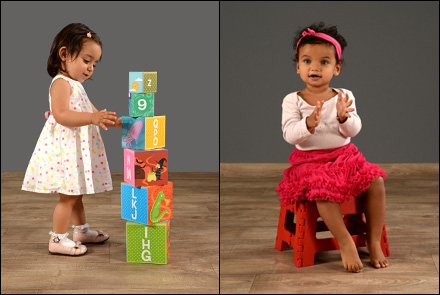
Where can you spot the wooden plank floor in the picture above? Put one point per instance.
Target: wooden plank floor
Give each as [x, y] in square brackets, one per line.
[27, 266]
[249, 262]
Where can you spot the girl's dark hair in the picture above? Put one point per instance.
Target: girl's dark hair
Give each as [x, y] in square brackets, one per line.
[72, 36]
[319, 28]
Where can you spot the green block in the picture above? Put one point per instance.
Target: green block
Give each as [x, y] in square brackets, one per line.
[141, 104]
[148, 243]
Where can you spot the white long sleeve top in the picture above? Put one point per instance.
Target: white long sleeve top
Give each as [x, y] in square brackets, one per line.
[328, 134]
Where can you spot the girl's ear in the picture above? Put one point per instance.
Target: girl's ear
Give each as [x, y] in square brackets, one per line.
[63, 53]
[337, 69]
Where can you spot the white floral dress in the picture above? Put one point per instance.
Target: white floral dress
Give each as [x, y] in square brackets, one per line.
[69, 160]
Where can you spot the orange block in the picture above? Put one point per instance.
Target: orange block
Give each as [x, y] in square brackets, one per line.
[154, 132]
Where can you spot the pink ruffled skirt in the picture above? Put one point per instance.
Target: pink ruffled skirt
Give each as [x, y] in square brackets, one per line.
[337, 175]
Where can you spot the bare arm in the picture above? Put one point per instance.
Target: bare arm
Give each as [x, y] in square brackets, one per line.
[60, 97]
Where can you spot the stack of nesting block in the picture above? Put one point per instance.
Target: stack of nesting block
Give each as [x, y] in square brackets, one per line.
[146, 193]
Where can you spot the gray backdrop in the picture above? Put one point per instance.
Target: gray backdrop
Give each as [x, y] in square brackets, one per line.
[392, 67]
[179, 40]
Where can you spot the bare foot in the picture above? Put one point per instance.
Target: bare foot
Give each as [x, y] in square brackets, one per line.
[377, 259]
[350, 257]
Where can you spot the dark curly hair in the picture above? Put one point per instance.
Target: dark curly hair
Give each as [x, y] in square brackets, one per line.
[72, 36]
[319, 28]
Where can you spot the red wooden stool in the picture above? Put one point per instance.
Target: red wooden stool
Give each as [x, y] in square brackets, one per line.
[302, 234]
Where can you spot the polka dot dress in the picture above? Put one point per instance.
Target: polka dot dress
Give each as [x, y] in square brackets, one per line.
[69, 160]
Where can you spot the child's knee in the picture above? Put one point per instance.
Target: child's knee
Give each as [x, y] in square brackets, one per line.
[379, 182]
[377, 185]
[71, 200]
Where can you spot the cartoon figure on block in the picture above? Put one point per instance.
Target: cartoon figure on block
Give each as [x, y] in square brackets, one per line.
[135, 86]
[146, 167]
[155, 214]
[159, 168]
[133, 133]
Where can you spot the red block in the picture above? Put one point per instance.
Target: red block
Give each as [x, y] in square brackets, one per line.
[146, 167]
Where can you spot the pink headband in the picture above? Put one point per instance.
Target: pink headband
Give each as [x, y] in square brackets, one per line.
[322, 36]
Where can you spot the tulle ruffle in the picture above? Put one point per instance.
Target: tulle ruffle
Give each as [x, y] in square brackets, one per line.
[337, 175]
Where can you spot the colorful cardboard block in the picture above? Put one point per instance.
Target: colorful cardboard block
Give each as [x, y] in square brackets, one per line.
[148, 243]
[145, 168]
[147, 204]
[142, 82]
[143, 133]
[141, 104]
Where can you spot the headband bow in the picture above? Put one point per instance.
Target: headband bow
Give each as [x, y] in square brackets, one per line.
[322, 36]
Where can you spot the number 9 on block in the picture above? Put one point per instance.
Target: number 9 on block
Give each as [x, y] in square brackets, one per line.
[141, 104]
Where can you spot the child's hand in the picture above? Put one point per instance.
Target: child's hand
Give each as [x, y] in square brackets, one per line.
[314, 118]
[342, 107]
[103, 117]
[119, 122]
[116, 123]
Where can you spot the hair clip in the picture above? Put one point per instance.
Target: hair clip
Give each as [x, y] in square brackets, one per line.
[89, 35]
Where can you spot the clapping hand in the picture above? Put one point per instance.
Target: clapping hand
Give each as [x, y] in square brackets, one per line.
[342, 107]
[313, 120]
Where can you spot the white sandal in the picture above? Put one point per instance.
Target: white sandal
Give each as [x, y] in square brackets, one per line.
[79, 235]
[55, 246]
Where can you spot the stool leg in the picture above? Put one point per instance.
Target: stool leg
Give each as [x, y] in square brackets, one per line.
[384, 243]
[306, 231]
[282, 233]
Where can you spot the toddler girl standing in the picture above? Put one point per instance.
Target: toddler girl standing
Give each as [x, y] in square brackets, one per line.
[326, 167]
[69, 158]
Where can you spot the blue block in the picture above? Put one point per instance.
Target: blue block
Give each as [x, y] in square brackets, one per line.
[134, 203]
[147, 204]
